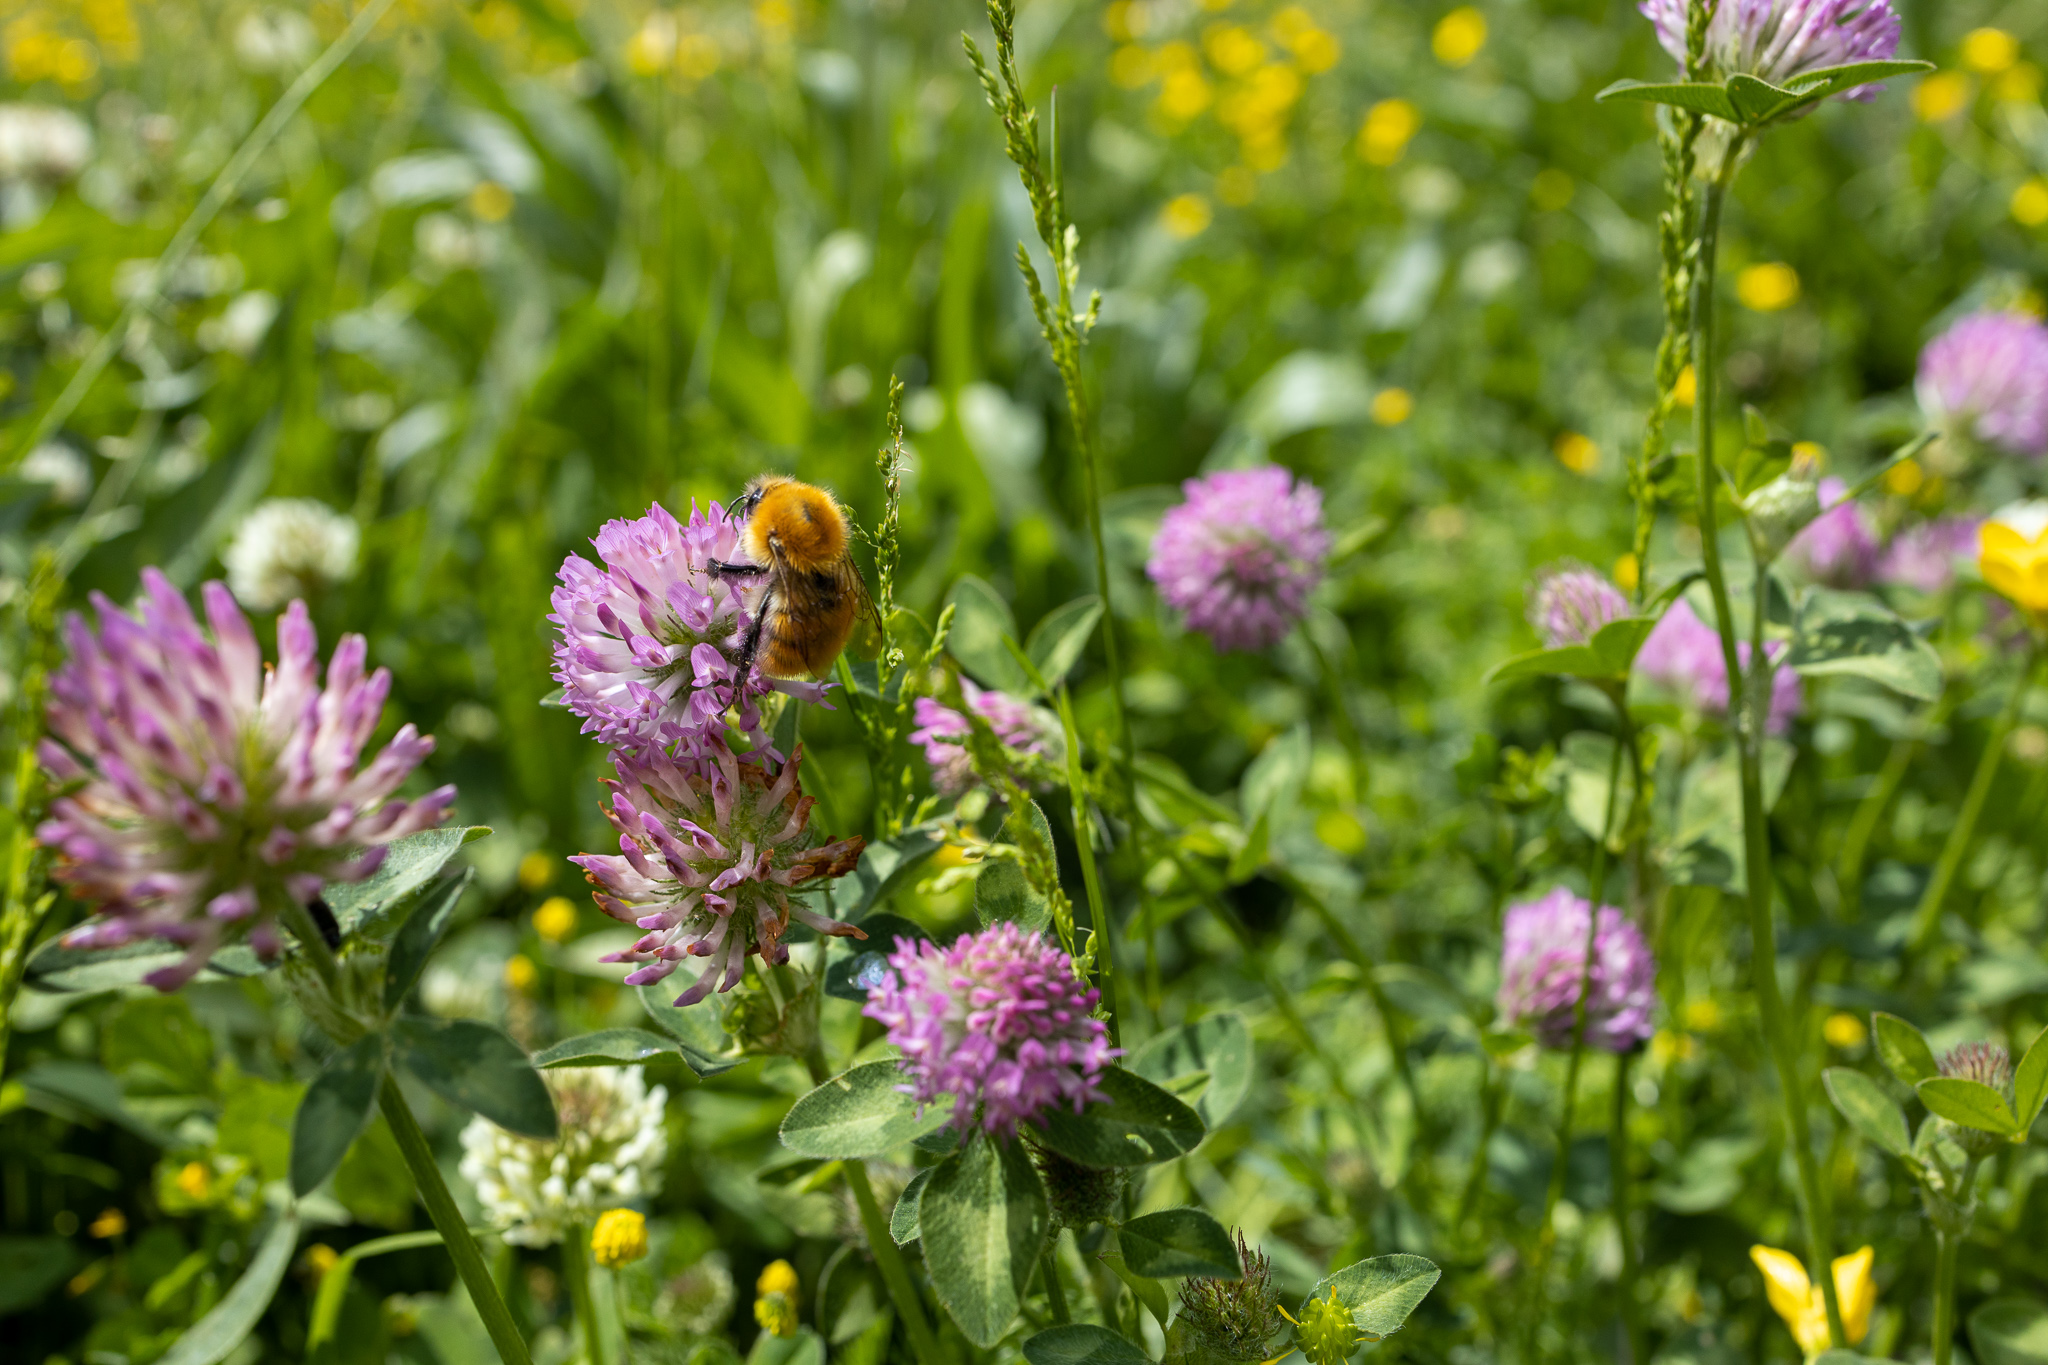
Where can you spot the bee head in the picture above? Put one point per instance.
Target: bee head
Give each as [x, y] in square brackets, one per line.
[793, 523]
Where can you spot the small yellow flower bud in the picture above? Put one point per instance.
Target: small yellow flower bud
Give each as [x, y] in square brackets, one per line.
[194, 1180]
[520, 973]
[619, 1239]
[775, 1309]
[536, 870]
[1845, 1030]
[321, 1258]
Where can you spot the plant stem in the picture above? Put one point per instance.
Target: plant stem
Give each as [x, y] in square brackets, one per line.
[1748, 711]
[1617, 1156]
[1945, 1246]
[25, 903]
[576, 1268]
[1091, 877]
[1348, 944]
[1927, 916]
[889, 1260]
[182, 241]
[1596, 892]
[1055, 1292]
[1340, 708]
[1492, 1101]
[462, 1248]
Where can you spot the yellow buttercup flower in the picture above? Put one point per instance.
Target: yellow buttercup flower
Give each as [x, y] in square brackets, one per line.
[2012, 553]
[1458, 36]
[619, 1239]
[1391, 407]
[1801, 1305]
[775, 1306]
[1767, 287]
[1845, 1030]
[556, 919]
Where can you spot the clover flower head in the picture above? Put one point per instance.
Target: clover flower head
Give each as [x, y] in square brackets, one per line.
[1543, 959]
[942, 732]
[202, 787]
[289, 547]
[1838, 547]
[609, 1149]
[1986, 1064]
[1986, 378]
[1570, 602]
[1683, 656]
[1778, 41]
[998, 1021]
[619, 1239]
[650, 641]
[42, 142]
[1234, 1319]
[1327, 1332]
[1924, 555]
[710, 852]
[775, 1299]
[1239, 558]
[699, 1299]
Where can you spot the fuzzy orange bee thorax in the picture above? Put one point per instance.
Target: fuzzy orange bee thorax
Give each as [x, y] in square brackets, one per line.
[797, 525]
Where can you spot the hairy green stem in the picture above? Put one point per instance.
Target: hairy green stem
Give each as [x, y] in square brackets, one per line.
[1927, 915]
[889, 1260]
[576, 1269]
[182, 241]
[25, 902]
[1055, 1292]
[1091, 877]
[1749, 703]
[1945, 1247]
[462, 1248]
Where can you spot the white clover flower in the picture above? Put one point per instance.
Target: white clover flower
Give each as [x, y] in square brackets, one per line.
[275, 40]
[242, 325]
[42, 142]
[290, 547]
[609, 1152]
[61, 469]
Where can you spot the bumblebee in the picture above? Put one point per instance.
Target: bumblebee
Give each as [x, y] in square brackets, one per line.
[798, 545]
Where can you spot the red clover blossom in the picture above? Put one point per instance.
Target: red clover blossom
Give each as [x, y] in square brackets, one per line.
[1239, 558]
[942, 732]
[1986, 378]
[649, 641]
[709, 854]
[1780, 40]
[1570, 602]
[204, 787]
[1683, 656]
[998, 1021]
[1543, 958]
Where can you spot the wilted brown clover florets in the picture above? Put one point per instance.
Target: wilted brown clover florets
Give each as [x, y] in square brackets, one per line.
[1233, 1319]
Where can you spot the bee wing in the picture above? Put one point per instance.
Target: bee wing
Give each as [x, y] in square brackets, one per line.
[850, 580]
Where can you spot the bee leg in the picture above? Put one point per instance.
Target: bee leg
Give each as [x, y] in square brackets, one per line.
[750, 645]
[722, 569]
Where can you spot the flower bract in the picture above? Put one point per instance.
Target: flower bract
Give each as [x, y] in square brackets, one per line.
[201, 788]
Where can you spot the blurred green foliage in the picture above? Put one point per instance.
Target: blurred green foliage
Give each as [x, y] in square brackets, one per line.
[520, 268]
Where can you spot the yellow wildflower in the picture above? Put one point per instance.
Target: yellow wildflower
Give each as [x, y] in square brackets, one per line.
[1186, 215]
[1627, 572]
[536, 869]
[1768, 287]
[2030, 202]
[775, 1304]
[1801, 1305]
[1388, 127]
[619, 1239]
[1458, 36]
[520, 973]
[194, 1180]
[1990, 50]
[321, 1258]
[1941, 96]
[1576, 452]
[1391, 407]
[2012, 553]
[555, 920]
[1845, 1030]
[1685, 391]
[110, 1224]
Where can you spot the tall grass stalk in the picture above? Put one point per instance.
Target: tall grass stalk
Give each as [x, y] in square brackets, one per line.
[1749, 693]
